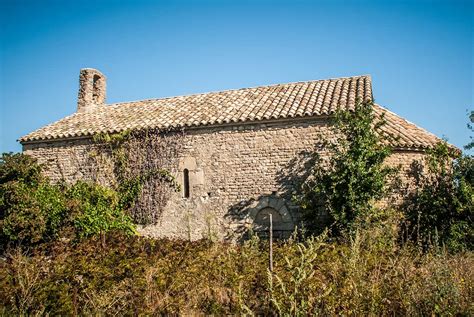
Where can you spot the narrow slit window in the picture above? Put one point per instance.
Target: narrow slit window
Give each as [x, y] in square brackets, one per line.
[186, 183]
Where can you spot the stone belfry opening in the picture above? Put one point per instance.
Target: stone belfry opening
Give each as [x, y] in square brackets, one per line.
[92, 90]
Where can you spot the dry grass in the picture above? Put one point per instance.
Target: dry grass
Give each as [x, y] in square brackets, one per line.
[143, 276]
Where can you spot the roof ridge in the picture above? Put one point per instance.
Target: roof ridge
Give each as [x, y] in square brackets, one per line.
[238, 89]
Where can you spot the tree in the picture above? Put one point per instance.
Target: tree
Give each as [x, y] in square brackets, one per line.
[346, 185]
[31, 209]
[470, 145]
[442, 207]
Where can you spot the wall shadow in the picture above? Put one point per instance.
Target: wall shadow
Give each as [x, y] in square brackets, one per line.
[289, 180]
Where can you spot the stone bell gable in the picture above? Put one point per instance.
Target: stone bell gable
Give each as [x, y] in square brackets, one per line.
[239, 157]
[92, 89]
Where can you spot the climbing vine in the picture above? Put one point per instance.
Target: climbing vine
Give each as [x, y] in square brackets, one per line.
[141, 163]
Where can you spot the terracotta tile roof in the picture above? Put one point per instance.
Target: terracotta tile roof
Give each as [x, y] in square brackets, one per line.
[407, 134]
[301, 99]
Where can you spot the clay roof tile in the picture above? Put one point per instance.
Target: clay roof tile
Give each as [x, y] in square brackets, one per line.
[301, 99]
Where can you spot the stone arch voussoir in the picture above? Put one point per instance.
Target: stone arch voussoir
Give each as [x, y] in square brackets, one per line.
[277, 203]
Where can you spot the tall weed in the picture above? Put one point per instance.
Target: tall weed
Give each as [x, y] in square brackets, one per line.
[135, 275]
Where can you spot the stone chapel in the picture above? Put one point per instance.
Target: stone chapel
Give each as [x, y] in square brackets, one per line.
[236, 147]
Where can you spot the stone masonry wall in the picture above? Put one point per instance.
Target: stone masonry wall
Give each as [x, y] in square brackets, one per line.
[234, 172]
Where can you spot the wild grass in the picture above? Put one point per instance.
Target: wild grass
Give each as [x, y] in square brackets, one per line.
[134, 275]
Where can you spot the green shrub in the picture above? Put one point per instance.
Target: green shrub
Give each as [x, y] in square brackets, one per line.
[346, 186]
[31, 209]
[442, 208]
[97, 210]
[19, 167]
[290, 286]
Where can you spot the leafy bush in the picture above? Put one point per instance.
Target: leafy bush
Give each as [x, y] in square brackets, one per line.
[19, 167]
[31, 209]
[97, 210]
[347, 184]
[442, 208]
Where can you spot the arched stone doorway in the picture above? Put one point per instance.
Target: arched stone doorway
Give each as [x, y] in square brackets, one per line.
[282, 222]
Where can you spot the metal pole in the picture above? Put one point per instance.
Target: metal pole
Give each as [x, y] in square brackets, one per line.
[271, 244]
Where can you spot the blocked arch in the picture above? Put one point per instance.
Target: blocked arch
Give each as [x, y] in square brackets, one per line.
[283, 222]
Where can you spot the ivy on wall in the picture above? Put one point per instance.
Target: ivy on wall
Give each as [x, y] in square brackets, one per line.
[141, 163]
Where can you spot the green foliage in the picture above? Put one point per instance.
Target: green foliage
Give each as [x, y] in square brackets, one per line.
[114, 142]
[347, 185]
[442, 208]
[19, 167]
[289, 290]
[31, 209]
[97, 210]
[470, 145]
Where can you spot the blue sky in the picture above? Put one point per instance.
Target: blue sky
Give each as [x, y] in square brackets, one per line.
[419, 53]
